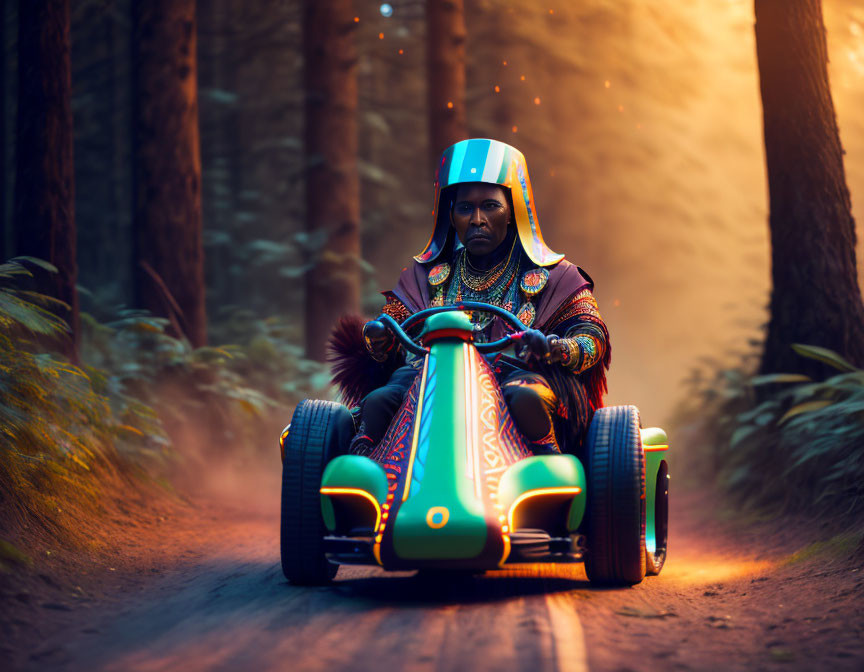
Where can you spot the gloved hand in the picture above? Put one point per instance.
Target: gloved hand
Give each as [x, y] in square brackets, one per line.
[537, 346]
[378, 340]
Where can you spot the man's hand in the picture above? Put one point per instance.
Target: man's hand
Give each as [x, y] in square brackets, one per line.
[378, 340]
[537, 346]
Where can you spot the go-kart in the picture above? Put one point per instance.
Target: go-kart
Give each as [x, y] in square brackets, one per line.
[453, 484]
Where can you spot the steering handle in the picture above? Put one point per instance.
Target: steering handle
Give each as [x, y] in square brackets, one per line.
[399, 330]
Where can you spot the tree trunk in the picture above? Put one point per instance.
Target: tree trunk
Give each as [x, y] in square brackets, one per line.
[815, 298]
[445, 62]
[332, 181]
[44, 186]
[167, 220]
[4, 245]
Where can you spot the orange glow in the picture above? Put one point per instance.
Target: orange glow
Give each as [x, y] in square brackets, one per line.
[401, 51]
[380, 36]
[522, 78]
[658, 447]
[515, 129]
[505, 63]
[497, 89]
[506, 539]
[551, 11]
[356, 492]
[607, 84]
[449, 104]
[537, 100]
[620, 108]
[539, 492]
[356, 19]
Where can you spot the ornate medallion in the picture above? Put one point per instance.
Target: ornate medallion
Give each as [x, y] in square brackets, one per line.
[526, 313]
[534, 281]
[439, 274]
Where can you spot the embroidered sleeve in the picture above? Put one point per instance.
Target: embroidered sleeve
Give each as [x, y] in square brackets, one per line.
[399, 312]
[395, 308]
[585, 334]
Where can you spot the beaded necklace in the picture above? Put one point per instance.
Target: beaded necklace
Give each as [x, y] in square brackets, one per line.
[479, 280]
[497, 286]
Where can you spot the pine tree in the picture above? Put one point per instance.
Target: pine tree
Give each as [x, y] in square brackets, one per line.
[44, 181]
[167, 219]
[445, 62]
[815, 297]
[332, 181]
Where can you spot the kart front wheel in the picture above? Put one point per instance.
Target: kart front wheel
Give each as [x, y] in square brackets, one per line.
[615, 509]
[319, 431]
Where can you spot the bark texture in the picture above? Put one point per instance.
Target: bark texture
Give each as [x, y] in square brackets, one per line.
[169, 256]
[445, 60]
[44, 184]
[332, 181]
[815, 297]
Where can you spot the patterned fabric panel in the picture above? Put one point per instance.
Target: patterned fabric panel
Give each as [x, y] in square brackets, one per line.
[584, 331]
[395, 448]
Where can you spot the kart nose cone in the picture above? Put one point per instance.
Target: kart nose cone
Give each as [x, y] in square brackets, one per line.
[430, 531]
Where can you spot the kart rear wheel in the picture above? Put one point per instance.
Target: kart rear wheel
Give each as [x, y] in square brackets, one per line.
[319, 431]
[615, 512]
[656, 560]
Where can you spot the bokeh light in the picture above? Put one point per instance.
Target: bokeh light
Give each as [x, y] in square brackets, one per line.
[386, 10]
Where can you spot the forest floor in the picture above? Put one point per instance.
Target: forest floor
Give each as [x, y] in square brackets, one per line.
[197, 585]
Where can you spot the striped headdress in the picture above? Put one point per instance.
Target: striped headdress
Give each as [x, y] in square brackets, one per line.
[481, 160]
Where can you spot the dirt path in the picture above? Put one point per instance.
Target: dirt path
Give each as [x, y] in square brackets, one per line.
[211, 596]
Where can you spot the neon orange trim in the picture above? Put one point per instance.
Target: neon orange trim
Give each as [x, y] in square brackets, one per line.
[357, 492]
[539, 492]
[506, 554]
[416, 435]
[658, 447]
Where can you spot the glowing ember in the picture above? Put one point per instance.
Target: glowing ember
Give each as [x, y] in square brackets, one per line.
[497, 89]
[401, 51]
[537, 100]
[356, 19]
[380, 36]
[504, 63]
[522, 78]
[449, 104]
[515, 129]
[607, 83]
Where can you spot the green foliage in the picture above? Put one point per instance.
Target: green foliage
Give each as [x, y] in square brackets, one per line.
[784, 441]
[58, 422]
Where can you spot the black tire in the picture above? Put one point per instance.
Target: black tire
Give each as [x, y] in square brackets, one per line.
[320, 430]
[657, 559]
[616, 497]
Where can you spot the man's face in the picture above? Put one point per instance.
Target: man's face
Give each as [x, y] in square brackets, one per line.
[481, 216]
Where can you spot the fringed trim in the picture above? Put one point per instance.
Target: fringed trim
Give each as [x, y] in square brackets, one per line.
[355, 373]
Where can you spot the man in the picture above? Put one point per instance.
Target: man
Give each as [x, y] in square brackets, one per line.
[487, 246]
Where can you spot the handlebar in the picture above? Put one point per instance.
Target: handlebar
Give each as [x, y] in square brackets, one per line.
[399, 330]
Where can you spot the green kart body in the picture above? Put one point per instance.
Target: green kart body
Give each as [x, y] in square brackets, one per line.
[453, 485]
